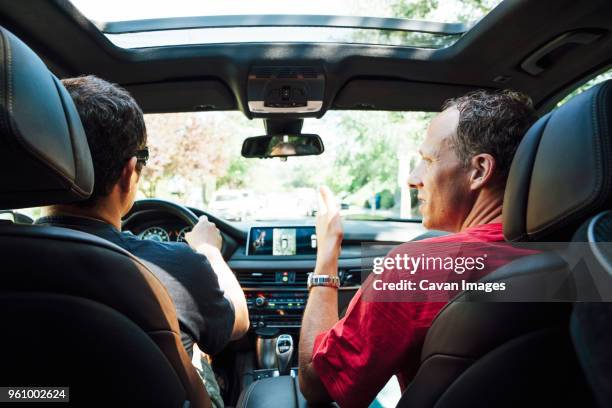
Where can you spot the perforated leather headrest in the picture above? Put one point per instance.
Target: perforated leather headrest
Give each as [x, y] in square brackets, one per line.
[562, 171]
[44, 155]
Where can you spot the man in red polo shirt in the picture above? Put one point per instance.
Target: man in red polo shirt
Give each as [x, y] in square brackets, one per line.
[466, 156]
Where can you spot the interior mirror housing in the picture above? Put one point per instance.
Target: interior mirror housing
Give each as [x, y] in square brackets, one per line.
[282, 146]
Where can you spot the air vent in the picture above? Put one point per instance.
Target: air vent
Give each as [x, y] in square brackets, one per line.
[301, 278]
[254, 278]
[264, 72]
[308, 72]
[287, 73]
[272, 278]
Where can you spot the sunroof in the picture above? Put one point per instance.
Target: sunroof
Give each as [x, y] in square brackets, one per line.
[281, 28]
[145, 23]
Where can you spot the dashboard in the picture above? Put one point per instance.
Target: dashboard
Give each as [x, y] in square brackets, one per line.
[282, 241]
[274, 280]
[164, 233]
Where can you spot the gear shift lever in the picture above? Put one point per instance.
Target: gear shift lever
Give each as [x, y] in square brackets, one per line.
[284, 352]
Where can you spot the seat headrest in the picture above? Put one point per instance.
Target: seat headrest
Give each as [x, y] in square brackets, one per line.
[562, 171]
[44, 155]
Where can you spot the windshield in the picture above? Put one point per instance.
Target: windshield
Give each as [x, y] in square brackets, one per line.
[195, 159]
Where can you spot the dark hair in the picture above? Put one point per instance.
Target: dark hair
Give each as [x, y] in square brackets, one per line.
[114, 126]
[494, 123]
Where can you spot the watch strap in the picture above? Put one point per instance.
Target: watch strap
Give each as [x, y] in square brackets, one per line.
[331, 281]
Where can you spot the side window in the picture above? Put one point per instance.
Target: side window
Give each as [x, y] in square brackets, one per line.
[592, 82]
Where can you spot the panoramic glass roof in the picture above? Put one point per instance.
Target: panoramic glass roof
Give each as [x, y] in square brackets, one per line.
[385, 22]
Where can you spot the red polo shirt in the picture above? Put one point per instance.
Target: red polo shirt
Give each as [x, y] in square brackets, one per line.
[376, 340]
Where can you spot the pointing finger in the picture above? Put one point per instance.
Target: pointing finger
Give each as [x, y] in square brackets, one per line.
[322, 201]
[328, 199]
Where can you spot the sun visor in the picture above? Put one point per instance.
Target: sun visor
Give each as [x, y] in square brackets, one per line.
[383, 94]
[183, 96]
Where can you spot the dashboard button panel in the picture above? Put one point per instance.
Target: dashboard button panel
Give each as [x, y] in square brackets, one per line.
[273, 308]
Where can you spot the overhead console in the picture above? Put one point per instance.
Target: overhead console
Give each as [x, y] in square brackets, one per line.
[285, 90]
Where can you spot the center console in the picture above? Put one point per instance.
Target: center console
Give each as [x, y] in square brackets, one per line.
[272, 269]
[277, 298]
[278, 308]
[276, 384]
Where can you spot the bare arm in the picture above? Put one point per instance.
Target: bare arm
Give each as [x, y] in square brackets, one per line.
[320, 315]
[322, 308]
[205, 239]
[229, 284]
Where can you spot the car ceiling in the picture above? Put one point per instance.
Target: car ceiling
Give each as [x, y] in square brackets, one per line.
[357, 76]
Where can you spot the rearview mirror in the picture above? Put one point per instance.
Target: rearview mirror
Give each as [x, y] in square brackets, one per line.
[282, 146]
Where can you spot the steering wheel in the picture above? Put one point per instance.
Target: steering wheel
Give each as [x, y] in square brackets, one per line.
[178, 210]
[230, 232]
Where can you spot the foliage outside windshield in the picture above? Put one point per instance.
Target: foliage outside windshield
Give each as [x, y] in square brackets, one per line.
[195, 159]
[433, 10]
[466, 11]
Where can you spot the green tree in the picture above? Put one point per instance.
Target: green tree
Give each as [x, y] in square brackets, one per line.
[417, 10]
[236, 174]
[373, 144]
[180, 149]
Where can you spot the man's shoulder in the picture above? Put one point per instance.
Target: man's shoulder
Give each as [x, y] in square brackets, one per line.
[174, 258]
[181, 249]
[484, 233]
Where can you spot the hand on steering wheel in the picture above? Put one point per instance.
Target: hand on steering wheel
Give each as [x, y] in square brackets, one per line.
[204, 236]
[179, 211]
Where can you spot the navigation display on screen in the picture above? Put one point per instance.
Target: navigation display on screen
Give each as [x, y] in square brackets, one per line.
[282, 241]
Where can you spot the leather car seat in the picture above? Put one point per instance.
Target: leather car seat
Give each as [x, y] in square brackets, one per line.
[76, 311]
[521, 354]
[591, 322]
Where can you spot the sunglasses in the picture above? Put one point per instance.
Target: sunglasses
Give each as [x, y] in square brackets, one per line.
[142, 156]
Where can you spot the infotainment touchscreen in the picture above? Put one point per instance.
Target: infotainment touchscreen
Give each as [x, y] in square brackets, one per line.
[282, 241]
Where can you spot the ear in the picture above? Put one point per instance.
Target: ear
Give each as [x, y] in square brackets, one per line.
[482, 169]
[129, 170]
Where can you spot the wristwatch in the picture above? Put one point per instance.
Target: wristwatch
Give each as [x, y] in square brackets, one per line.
[331, 281]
